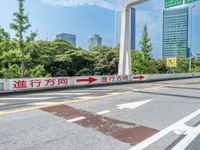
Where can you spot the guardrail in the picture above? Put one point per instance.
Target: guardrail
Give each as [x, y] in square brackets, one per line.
[12, 85]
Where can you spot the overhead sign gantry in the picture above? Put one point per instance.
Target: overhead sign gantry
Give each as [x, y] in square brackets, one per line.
[125, 53]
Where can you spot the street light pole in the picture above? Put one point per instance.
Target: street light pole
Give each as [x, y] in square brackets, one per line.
[190, 52]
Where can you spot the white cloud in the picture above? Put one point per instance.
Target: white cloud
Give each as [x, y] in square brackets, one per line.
[108, 4]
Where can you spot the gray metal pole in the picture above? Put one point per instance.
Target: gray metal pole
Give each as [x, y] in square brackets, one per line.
[190, 55]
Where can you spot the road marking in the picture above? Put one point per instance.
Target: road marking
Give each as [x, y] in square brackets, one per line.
[3, 113]
[61, 94]
[27, 98]
[151, 88]
[183, 144]
[144, 144]
[85, 97]
[103, 112]
[133, 105]
[1, 104]
[42, 103]
[120, 130]
[76, 119]
[183, 129]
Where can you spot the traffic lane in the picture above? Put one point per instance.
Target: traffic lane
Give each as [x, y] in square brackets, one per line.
[194, 145]
[162, 121]
[117, 118]
[171, 92]
[85, 91]
[20, 100]
[47, 96]
[158, 113]
[41, 130]
[183, 134]
[148, 85]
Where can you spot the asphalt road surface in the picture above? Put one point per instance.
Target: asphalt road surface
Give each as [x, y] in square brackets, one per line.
[161, 115]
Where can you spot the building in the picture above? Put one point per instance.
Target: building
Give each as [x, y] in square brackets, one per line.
[198, 56]
[71, 38]
[118, 28]
[94, 41]
[175, 32]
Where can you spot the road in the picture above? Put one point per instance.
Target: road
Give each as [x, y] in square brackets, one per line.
[161, 115]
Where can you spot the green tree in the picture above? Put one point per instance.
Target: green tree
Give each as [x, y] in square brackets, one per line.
[105, 60]
[147, 63]
[21, 25]
[4, 35]
[136, 56]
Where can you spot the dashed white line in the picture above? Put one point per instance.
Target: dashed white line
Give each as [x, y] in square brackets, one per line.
[86, 97]
[144, 144]
[42, 103]
[76, 119]
[103, 112]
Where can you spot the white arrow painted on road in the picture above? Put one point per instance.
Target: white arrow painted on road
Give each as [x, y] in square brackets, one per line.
[133, 105]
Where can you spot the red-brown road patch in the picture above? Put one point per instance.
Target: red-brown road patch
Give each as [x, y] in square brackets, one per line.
[123, 131]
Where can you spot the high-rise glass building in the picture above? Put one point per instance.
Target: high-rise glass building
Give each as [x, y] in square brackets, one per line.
[94, 41]
[71, 38]
[175, 32]
[118, 16]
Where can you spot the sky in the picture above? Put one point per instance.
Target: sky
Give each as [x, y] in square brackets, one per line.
[87, 17]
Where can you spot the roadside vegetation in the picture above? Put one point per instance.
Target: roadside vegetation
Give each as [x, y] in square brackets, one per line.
[22, 56]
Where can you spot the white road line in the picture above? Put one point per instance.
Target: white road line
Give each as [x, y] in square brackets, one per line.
[183, 144]
[183, 129]
[144, 144]
[86, 97]
[26, 98]
[42, 103]
[133, 105]
[76, 119]
[1, 104]
[61, 94]
[103, 112]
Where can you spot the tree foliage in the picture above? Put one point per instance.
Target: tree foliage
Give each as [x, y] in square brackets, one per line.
[25, 57]
[21, 25]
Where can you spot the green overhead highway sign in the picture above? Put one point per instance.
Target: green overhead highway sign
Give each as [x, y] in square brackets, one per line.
[172, 3]
[190, 1]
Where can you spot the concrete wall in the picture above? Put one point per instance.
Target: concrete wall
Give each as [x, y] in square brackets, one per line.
[13, 85]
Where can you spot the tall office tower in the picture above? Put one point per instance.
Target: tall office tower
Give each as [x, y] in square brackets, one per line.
[118, 28]
[71, 38]
[94, 41]
[175, 32]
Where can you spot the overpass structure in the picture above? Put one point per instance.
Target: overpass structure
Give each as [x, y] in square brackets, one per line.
[125, 54]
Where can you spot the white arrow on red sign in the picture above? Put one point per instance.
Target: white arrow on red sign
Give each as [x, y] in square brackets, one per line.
[138, 77]
[89, 80]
